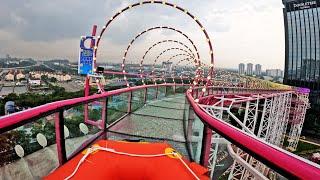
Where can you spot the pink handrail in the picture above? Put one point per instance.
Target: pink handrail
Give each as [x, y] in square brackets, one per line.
[273, 157]
[14, 120]
[276, 159]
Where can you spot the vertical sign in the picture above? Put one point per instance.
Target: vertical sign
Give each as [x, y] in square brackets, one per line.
[86, 64]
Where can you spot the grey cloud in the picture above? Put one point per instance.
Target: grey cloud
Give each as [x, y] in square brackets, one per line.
[48, 23]
[50, 20]
[36, 20]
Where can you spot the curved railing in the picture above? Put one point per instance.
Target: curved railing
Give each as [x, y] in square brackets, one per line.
[285, 163]
[17, 119]
[56, 112]
[275, 158]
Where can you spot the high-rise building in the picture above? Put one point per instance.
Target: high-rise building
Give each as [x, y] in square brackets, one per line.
[249, 69]
[274, 72]
[302, 43]
[241, 69]
[302, 32]
[257, 70]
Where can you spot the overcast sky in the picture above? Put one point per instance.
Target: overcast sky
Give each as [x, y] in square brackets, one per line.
[241, 30]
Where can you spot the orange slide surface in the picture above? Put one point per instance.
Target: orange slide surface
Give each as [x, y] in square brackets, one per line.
[107, 165]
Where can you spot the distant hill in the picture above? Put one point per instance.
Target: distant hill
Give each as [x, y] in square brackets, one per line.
[9, 62]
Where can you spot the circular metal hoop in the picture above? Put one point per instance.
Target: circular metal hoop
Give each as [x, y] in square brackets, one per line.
[190, 61]
[211, 69]
[167, 50]
[157, 28]
[149, 49]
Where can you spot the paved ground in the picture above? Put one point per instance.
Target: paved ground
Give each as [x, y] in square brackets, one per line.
[70, 86]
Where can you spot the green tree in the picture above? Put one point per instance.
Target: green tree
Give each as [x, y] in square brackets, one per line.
[44, 78]
[73, 125]
[53, 79]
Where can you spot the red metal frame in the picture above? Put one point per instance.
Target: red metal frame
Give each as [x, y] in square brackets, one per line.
[59, 127]
[206, 146]
[274, 157]
[211, 67]
[87, 80]
[129, 102]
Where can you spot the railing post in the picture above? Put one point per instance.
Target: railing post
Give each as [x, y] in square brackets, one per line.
[105, 119]
[129, 102]
[104, 114]
[165, 91]
[206, 145]
[174, 89]
[60, 141]
[145, 95]
[157, 89]
[86, 93]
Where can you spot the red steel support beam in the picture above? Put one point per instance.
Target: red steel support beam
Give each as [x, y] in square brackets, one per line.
[145, 95]
[206, 146]
[130, 102]
[60, 141]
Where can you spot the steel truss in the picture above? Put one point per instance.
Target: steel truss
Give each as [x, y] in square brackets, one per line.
[279, 119]
[267, 116]
[301, 103]
[217, 113]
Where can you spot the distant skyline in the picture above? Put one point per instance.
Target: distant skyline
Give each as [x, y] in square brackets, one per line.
[242, 31]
